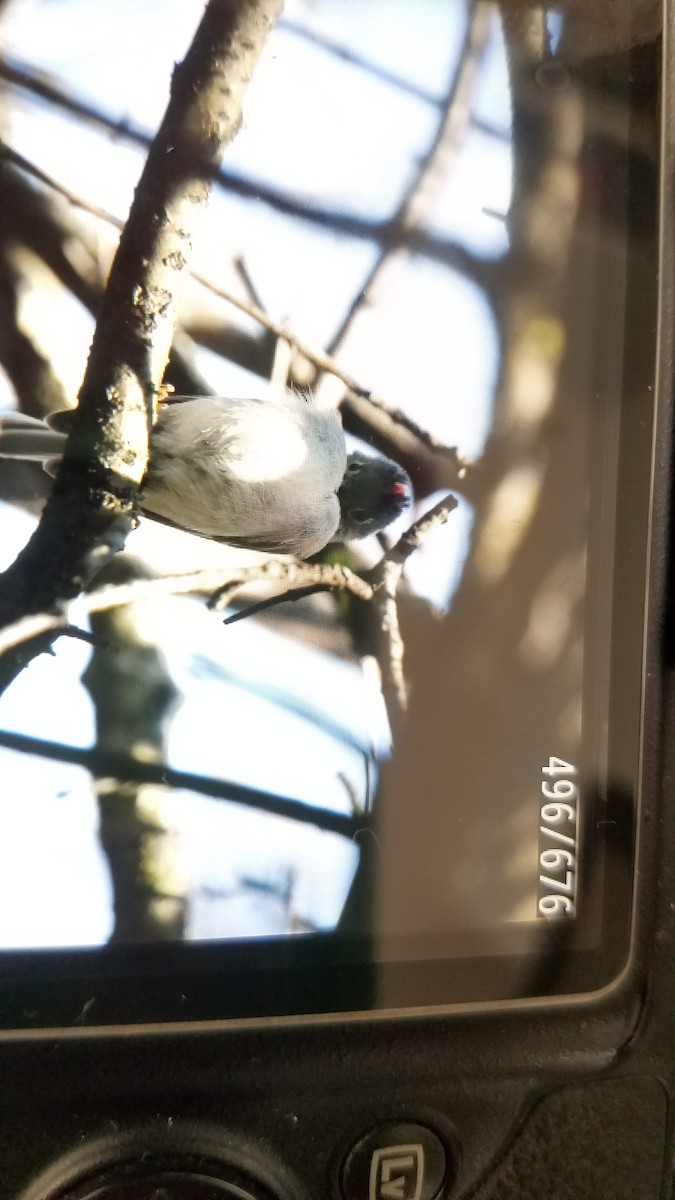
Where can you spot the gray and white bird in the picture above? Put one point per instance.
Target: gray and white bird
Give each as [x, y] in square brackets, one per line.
[271, 475]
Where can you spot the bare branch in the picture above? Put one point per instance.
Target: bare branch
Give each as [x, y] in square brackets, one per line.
[122, 766]
[30, 628]
[320, 360]
[28, 369]
[29, 168]
[323, 362]
[413, 210]
[604, 27]
[362, 228]
[90, 511]
[391, 657]
[407, 231]
[332, 576]
[413, 537]
[386, 580]
[368, 66]
[377, 414]
[215, 583]
[252, 308]
[32, 220]
[379, 585]
[298, 580]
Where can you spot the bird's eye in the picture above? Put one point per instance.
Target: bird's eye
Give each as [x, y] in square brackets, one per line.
[353, 468]
[359, 515]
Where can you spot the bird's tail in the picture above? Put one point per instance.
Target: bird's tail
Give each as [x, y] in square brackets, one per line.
[27, 438]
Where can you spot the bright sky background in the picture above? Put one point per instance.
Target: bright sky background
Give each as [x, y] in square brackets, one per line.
[323, 130]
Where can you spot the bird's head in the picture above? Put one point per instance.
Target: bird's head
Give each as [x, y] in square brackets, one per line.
[373, 493]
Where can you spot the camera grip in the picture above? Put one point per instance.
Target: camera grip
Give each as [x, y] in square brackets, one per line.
[602, 1140]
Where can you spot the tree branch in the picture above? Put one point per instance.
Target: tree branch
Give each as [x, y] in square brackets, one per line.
[123, 766]
[34, 634]
[410, 219]
[438, 249]
[44, 228]
[357, 399]
[386, 578]
[90, 511]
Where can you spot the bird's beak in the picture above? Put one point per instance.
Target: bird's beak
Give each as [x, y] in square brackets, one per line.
[401, 491]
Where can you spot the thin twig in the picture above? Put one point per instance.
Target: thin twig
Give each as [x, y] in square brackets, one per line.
[367, 65]
[409, 221]
[66, 193]
[241, 267]
[80, 635]
[415, 206]
[253, 610]
[386, 578]
[215, 583]
[29, 628]
[391, 661]
[295, 574]
[418, 532]
[334, 577]
[381, 584]
[323, 362]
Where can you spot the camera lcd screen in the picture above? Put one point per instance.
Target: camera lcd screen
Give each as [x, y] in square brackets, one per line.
[405, 774]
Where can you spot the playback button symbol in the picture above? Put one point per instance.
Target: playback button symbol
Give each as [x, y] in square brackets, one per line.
[395, 1161]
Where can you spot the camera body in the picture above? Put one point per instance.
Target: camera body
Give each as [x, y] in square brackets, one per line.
[169, 1074]
[570, 1101]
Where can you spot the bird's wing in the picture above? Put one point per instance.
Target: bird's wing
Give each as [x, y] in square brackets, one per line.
[280, 538]
[26, 437]
[20, 420]
[258, 473]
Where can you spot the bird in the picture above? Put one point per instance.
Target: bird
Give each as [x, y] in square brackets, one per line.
[267, 474]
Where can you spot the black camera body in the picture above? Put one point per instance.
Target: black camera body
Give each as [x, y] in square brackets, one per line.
[568, 1104]
[560, 1102]
[387, 1061]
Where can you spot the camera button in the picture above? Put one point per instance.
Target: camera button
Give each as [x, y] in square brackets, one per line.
[169, 1185]
[400, 1160]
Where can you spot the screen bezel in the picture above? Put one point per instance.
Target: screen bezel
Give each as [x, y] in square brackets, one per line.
[79, 991]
